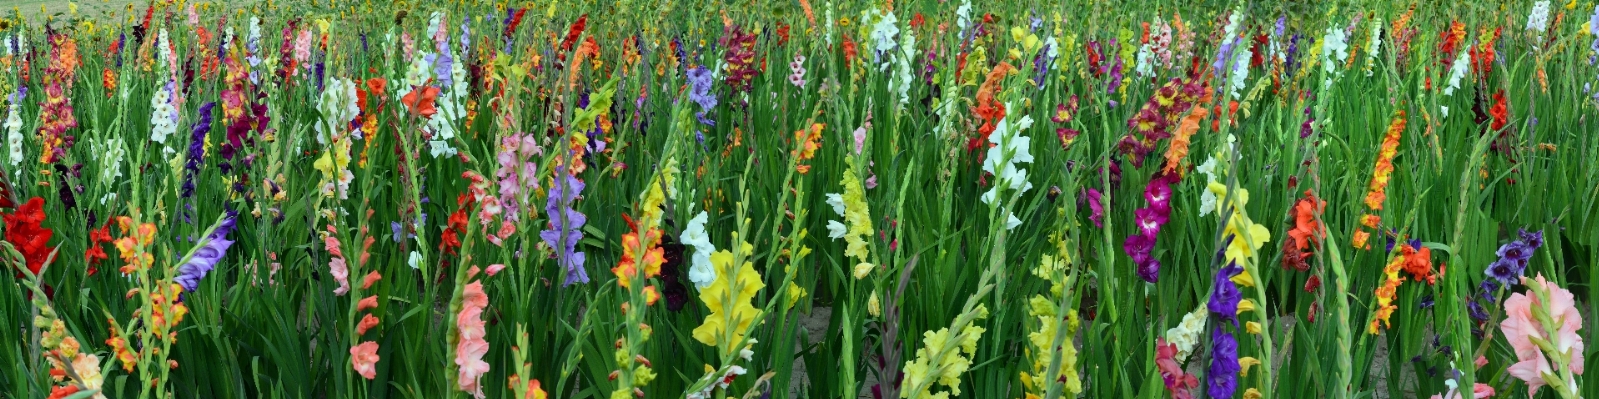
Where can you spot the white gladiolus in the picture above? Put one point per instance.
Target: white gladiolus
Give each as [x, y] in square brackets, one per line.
[1374, 46]
[1145, 63]
[1538, 20]
[338, 108]
[1234, 23]
[13, 122]
[883, 32]
[1010, 149]
[1335, 48]
[901, 83]
[1186, 335]
[963, 17]
[13, 127]
[1457, 71]
[827, 26]
[111, 169]
[700, 271]
[1239, 74]
[163, 117]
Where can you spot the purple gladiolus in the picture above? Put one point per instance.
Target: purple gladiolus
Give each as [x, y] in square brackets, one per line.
[206, 257]
[1224, 295]
[565, 226]
[191, 166]
[699, 80]
[1223, 373]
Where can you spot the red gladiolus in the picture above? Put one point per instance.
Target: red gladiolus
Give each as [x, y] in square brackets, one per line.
[1500, 111]
[457, 225]
[573, 32]
[23, 231]
[95, 254]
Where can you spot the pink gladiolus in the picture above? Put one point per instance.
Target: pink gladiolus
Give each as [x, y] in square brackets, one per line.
[341, 274]
[1522, 325]
[370, 302]
[471, 346]
[1479, 391]
[365, 359]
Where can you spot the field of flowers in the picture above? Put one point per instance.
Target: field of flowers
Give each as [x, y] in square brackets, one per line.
[799, 199]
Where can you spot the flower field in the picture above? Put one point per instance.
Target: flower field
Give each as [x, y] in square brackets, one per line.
[799, 199]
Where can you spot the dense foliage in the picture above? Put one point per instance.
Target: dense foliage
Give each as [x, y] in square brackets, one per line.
[799, 198]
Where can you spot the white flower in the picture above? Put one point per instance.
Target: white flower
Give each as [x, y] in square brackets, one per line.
[415, 261]
[798, 66]
[13, 127]
[338, 109]
[884, 30]
[1235, 21]
[439, 148]
[415, 75]
[111, 169]
[827, 18]
[1010, 148]
[836, 230]
[1145, 62]
[1240, 73]
[837, 201]
[963, 16]
[1538, 20]
[701, 273]
[1334, 49]
[1456, 72]
[163, 116]
[901, 83]
[1186, 334]
[1376, 41]
[1011, 221]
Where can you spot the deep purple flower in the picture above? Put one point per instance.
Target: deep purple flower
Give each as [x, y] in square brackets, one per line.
[1478, 312]
[1289, 61]
[1489, 287]
[1516, 251]
[197, 140]
[1149, 270]
[1138, 247]
[1534, 240]
[1224, 295]
[1223, 373]
[1504, 270]
[206, 257]
[1426, 302]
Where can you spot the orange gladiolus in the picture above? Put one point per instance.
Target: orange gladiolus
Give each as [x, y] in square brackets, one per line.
[421, 101]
